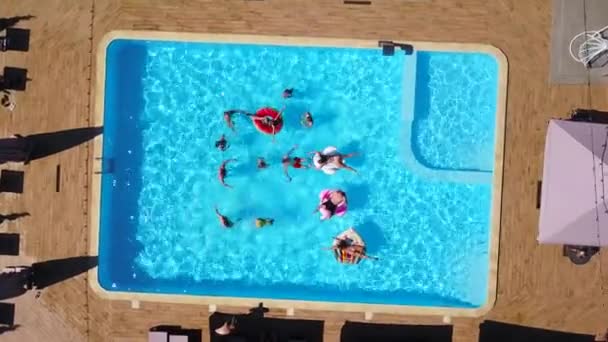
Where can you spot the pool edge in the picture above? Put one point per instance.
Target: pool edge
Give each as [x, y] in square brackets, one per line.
[95, 188]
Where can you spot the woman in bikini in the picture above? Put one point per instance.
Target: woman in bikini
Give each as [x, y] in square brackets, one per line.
[330, 160]
[333, 202]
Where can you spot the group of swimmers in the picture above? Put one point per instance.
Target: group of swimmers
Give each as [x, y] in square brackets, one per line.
[329, 160]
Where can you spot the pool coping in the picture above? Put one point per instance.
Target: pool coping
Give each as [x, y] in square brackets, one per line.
[95, 188]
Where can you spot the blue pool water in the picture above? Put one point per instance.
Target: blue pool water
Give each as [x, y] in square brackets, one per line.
[163, 113]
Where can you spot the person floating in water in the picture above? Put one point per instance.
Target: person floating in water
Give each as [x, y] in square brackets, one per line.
[307, 120]
[222, 144]
[350, 251]
[269, 120]
[287, 93]
[262, 164]
[295, 162]
[228, 117]
[261, 222]
[330, 160]
[332, 202]
[224, 220]
[222, 172]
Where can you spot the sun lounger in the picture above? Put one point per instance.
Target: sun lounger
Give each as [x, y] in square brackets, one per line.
[15, 40]
[158, 336]
[361, 332]
[9, 244]
[173, 333]
[254, 328]
[178, 338]
[11, 181]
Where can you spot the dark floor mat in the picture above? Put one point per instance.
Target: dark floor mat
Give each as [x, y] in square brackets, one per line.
[252, 328]
[11, 181]
[9, 244]
[15, 78]
[370, 332]
[17, 39]
[490, 331]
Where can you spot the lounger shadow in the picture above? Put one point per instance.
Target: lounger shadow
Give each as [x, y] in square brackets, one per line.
[363, 332]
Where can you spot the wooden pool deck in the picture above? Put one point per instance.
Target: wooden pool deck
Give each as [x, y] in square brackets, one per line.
[536, 285]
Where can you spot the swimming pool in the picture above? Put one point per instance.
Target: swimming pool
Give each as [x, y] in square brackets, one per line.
[425, 198]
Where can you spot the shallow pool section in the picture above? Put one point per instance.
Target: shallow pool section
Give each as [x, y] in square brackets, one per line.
[162, 114]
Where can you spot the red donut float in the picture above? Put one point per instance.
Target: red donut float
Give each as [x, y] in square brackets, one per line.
[267, 117]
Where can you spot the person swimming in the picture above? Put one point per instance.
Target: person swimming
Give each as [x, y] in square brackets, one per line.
[261, 163]
[330, 160]
[287, 93]
[222, 144]
[307, 120]
[222, 172]
[295, 162]
[224, 220]
[228, 117]
[261, 222]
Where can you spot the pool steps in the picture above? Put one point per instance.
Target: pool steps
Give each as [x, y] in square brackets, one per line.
[409, 156]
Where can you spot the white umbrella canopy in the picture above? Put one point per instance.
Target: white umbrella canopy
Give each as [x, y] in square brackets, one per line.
[574, 209]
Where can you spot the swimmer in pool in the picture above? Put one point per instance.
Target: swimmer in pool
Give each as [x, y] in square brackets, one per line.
[261, 222]
[222, 172]
[268, 121]
[287, 93]
[228, 117]
[295, 162]
[262, 164]
[224, 220]
[307, 120]
[222, 144]
[330, 160]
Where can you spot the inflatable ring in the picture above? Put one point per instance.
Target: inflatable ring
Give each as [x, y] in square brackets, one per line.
[265, 127]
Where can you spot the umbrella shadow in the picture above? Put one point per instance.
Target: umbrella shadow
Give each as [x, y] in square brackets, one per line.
[46, 144]
[12, 217]
[9, 328]
[12, 21]
[47, 273]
